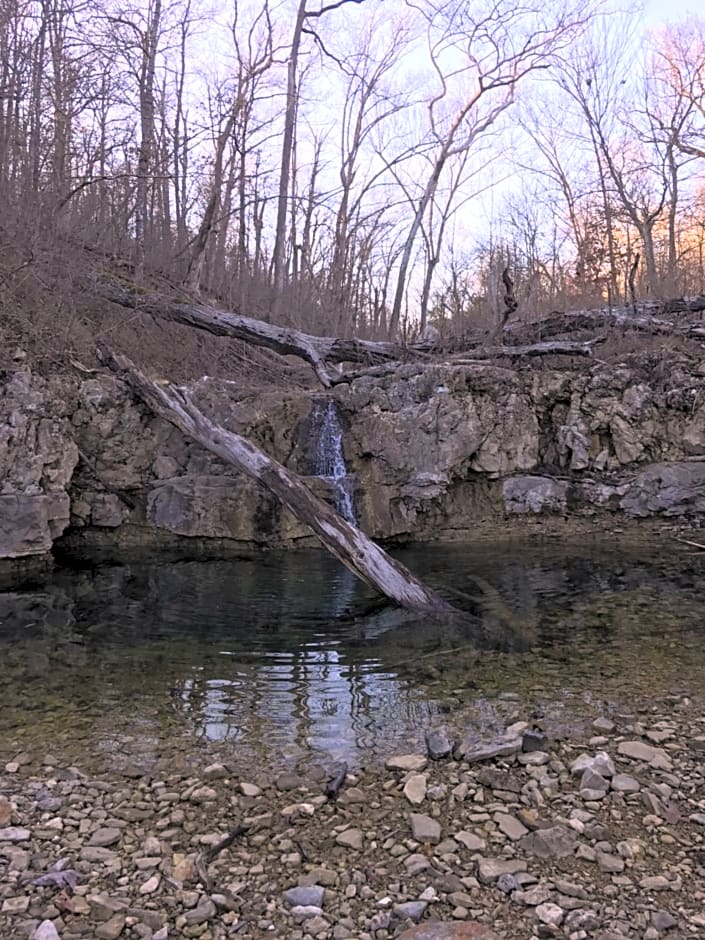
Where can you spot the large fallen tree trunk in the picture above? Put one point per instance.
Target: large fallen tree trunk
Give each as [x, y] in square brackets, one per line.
[530, 339]
[316, 350]
[349, 544]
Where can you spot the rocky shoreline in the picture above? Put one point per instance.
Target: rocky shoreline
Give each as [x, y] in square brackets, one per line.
[599, 835]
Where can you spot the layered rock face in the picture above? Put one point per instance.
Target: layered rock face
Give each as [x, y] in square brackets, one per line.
[37, 458]
[434, 451]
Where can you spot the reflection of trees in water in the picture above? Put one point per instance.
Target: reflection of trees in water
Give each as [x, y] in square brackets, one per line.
[256, 655]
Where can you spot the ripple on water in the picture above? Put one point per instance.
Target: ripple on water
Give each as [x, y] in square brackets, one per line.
[277, 660]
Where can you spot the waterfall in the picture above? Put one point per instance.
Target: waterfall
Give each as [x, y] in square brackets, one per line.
[328, 456]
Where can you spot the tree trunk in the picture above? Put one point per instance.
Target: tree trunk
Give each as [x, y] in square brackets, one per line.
[349, 545]
[287, 150]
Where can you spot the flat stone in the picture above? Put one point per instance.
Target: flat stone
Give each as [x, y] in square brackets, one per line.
[351, 839]
[438, 744]
[623, 783]
[407, 762]
[425, 829]
[97, 854]
[415, 789]
[151, 885]
[205, 912]
[498, 780]
[437, 930]
[15, 905]
[250, 789]
[15, 834]
[105, 837]
[471, 842]
[510, 826]
[103, 907]
[532, 897]
[111, 929]
[611, 864]
[534, 759]
[473, 753]
[605, 725]
[554, 842]
[304, 912]
[638, 750]
[490, 869]
[304, 896]
[656, 883]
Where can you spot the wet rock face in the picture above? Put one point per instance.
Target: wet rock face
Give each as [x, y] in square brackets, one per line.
[433, 451]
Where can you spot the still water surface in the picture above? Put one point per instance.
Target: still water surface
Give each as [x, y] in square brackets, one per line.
[283, 658]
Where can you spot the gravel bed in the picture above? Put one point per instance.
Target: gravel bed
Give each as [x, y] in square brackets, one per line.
[518, 836]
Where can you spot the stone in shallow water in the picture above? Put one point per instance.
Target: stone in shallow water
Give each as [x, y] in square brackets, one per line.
[438, 744]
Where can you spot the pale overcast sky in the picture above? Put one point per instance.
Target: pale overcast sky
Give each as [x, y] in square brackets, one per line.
[660, 11]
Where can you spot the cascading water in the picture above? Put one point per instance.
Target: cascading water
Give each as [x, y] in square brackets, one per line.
[328, 456]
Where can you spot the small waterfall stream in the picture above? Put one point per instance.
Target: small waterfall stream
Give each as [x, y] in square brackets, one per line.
[328, 456]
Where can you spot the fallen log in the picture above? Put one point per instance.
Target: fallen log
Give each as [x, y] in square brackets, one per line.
[480, 354]
[316, 350]
[348, 543]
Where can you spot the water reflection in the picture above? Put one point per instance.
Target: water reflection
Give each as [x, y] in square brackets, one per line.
[278, 658]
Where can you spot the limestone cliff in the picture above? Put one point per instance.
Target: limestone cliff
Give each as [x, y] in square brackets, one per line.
[434, 450]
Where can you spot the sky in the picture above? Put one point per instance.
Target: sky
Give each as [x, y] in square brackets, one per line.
[668, 11]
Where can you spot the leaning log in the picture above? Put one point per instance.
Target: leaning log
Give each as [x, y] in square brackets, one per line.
[348, 543]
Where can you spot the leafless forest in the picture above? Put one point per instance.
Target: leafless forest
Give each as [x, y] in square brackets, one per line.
[356, 167]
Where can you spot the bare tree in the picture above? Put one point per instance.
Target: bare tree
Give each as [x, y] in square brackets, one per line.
[303, 17]
[496, 50]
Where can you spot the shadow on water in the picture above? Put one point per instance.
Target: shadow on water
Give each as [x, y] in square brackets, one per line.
[279, 658]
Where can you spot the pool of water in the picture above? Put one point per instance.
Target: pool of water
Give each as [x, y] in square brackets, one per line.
[287, 658]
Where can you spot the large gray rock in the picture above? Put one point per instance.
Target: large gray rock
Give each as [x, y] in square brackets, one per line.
[555, 842]
[670, 489]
